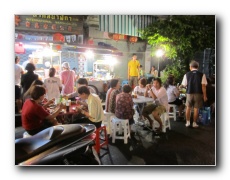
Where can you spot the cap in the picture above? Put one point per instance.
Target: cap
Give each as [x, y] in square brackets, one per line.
[65, 65]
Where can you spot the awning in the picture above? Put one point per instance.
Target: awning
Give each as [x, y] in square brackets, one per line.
[101, 48]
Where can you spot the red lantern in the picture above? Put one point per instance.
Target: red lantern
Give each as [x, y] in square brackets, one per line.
[122, 36]
[133, 39]
[58, 37]
[90, 41]
[116, 37]
[17, 20]
[58, 47]
[19, 48]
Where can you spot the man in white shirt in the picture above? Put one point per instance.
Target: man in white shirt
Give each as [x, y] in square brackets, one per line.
[18, 72]
[160, 106]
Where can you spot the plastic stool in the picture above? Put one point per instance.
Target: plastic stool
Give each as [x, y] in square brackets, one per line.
[107, 121]
[98, 144]
[165, 122]
[120, 125]
[26, 134]
[172, 114]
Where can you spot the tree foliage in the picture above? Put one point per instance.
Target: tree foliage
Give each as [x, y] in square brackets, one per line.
[181, 36]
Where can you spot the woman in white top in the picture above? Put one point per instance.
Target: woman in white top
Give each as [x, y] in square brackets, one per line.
[153, 72]
[173, 94]
[140, 91]
[53, 85]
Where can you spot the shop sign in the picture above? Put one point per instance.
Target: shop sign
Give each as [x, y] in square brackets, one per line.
[55, 37]
[50, 23]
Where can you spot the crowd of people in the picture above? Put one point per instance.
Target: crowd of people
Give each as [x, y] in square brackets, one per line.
[30, 93]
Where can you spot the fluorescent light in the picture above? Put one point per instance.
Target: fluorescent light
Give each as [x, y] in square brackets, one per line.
[28, 46]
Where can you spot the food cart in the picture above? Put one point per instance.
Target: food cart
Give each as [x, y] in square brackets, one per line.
[102, 70]
[100, 78]
[46, 59]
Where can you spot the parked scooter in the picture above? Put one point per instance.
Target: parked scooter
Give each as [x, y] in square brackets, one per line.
[69, 144]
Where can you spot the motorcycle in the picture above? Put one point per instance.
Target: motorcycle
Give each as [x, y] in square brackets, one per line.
[70, 144]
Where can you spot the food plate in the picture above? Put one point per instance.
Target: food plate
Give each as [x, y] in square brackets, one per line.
[52, 106]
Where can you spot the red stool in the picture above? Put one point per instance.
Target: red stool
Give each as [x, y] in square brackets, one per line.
[98, 144]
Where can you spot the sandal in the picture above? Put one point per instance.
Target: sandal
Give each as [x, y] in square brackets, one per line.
[158, 130]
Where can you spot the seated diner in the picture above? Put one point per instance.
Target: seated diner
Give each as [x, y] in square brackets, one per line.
[35, 117]
[160, 104]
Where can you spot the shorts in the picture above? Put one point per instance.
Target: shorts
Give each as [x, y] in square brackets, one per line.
[177, 102]
[133, 82]
[153, 107]
[194, 100]
[17, 92]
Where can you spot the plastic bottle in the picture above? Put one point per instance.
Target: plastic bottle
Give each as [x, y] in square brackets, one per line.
[67, 106]
[60, 100]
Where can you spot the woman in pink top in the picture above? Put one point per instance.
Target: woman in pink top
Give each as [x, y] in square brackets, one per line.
[68, 78]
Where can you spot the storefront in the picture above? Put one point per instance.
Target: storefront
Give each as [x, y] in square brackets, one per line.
[54, 39]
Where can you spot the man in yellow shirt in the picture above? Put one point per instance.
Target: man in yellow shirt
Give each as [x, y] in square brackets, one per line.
[133, 71]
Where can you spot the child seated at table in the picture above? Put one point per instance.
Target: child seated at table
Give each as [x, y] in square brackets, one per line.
[140, 91]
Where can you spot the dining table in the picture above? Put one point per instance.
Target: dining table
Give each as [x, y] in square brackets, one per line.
[65, 116]
[141, 100]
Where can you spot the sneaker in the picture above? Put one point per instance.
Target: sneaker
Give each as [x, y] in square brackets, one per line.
[194, 125]
[187, 124]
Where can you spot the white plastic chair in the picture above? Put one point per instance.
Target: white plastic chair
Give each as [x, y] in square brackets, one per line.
[120, 126]
[173, 113]
[107, 121]
[165, 121]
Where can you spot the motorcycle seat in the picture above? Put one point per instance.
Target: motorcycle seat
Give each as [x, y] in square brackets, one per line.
[28, 147]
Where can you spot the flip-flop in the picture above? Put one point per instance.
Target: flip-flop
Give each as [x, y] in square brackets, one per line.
[158, 130]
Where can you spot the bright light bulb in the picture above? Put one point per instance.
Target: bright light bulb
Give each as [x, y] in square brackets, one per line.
[159, 53]
[89, 54]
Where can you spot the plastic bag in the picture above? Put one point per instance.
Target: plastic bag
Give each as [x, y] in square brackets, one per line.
[205, 115]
